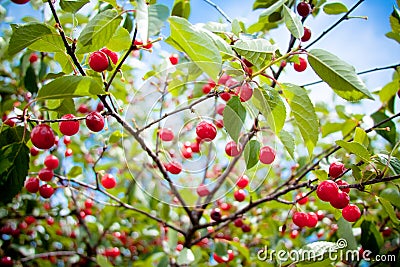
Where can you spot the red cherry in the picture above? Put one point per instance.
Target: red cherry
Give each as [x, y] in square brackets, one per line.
[336, 169]
[306, 35]
[148, 45]
[70, 127]
[341, 201]
[320, 215]
[174, 59]
[202, 190]
[42, 136]
[242, 181]
[220, 109]
[239, 195]
[225, 206]
[301, 199]
[211, 83]
[398, 93]
[51, 162]
[304, 9]
[206, 131]
[300, 218]
[29, 220]
[206, 88]
[20, 2]
[195, 146]
[108, 181]
[224, 78]
[46, 191]
[301, 66]
[50, 220]
[340, 183]
[312, 219]
[245, 92]
[83, 109]
[225, 96]
[294, 234]
[186, 152]
[231, 255]
[46, 174]
[217, 258]
[112, 55]
[174, 167]
[246, 228]
[34, 151]
[351, 213]
[7, 261]
[219, 123]
[232, 149]
[94, 121]
[166, 134]
[9, 122]
[283, 64]
[98, 61]
[33, 58]
[112, 252]
[238, 222]
[32, 184]
[68, 152]
[216, 214]
[267, 155]
[89, 203]
[327, 190]
[67, 140]
[179, 247]
[386, 232]
[100, 107]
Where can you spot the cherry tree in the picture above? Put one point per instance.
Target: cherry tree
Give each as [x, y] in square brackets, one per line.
[116, 151]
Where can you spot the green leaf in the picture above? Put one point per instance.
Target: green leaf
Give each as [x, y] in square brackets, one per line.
[339, 75]
[120, 41]
[251, 153]
[320, 174]
[75, 171]
[304, 114]
[142, 20]
[185, 257]
[263, 4]
[241, 249]
[72, 6]
[355, 148]
[187, 38]
[98, 31]
[331, 127]
[287, 141]
[392, 195]
[181, 8]
[393, 36]
[14, 163]
[319, 250]
[371, 239]
[335, 8]
[224, 48]
[390, 135]
[293, 23]
[394, 163]
[345, 231]
[102, 261]
[257, 51]
[234, 117]
[116, 136]
[272, 8]
[158, 15]
[49, 43]
[395, 20]
[268, 101]
[360, 136]
[220, 249]
[389, 209]
[61, 106]
[71, 86]
[24, 35]
[30, 80]
[389, 90]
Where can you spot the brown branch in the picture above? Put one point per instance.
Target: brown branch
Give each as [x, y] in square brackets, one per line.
[55, 254]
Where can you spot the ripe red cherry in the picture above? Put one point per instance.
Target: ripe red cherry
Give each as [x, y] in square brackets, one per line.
[33, 58]
[216, 214]
[68, 152]
[46, 174]
[336, 169]
[341, 182]
[300, 218]
[202, 190]
[239, 195]
[232, 149]
[301, 199]
[220, 109]
[51, 162]
[42, 136]
[224, 78]
[246, 228]
[46, 191]
[186, 152]
[89, 203]
[166, 134]
[341, 201]
[174, 167]
[206, 89]
[294, 234]
[242, 181]
[219, 123]
[386, 231]
[83, 109]
[20, 2]
[195, 146]
[32, 184]
[94, 121]
[238, 222]
[98, 61]
[301, 66]
[108, 181]
[112, 252]
[225, 96]
[67, 140]
[304, 9]
[148, 45]
[225, 206]
[100, 107]
[327, 190]
[112, 55]
[245, 92]
[321, 215]
[29, 220]
[312, 219]
[351, 213]
[206, 131]
[174, 59]
[267, 155]
[217, 258]
[398, 93]
[70, 127]
[306, 35]
[7, 261]
[34, 151]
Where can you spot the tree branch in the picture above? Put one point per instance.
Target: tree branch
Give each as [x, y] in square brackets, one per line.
[227, 18]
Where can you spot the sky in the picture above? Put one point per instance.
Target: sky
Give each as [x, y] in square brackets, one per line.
[359, 42]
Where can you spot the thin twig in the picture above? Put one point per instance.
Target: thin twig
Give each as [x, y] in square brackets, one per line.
[55, 254]
[227, 18]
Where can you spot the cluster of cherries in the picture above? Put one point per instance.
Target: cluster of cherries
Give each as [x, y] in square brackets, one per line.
[329, 191]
